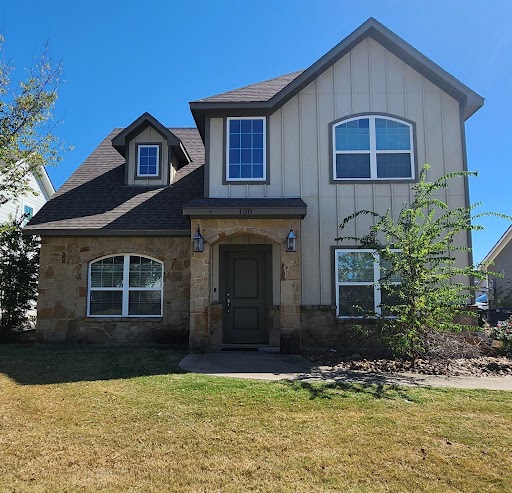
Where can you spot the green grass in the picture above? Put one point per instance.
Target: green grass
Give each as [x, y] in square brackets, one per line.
[102, 420]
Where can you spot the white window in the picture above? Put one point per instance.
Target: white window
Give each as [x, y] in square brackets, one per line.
[373, 147]
[357, 274]
[245, 149]
[125, 286]
[148, 160]
[28, 213]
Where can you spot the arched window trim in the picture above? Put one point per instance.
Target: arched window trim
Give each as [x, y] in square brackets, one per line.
[125, 289]
[373, 151]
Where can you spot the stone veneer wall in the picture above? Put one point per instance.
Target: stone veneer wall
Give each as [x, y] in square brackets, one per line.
[202, 315]
[321, 329]
[62, 301]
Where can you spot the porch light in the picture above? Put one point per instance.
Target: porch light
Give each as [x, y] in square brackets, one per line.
[291, 241]
[198, 241]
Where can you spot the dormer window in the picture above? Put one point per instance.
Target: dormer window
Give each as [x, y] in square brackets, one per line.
[373, 147]
[246, 160]
[148, 160]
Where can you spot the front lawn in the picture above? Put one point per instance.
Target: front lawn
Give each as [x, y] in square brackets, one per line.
[98, 419]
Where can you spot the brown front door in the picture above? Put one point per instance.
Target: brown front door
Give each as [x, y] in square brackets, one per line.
[245, 283]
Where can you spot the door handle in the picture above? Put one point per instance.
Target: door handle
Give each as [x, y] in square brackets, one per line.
[228, 301]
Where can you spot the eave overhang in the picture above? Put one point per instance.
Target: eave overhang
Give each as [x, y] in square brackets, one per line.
[287, 208]
[47, 232]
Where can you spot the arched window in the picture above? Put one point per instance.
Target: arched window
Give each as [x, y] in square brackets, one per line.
[125, 286]
[373, 147]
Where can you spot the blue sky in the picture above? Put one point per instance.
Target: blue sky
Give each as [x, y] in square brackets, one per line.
[122, 58]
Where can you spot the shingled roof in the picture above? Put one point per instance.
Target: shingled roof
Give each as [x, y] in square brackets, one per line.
[261, 91]
[95, 200]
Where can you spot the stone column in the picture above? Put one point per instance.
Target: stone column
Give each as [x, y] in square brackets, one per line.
[290, 298]
[199, 299]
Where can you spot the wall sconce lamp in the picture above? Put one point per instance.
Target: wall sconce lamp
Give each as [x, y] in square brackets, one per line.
[291, 241]
[198, 241]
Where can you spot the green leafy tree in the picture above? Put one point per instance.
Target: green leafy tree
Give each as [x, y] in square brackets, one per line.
[419, 249]
[19, 263]
[27, 140]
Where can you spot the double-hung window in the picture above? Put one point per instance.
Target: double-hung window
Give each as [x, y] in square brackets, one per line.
[148, 160]
[358, 290]
[245, 149]
[125, 286]
[373, 147]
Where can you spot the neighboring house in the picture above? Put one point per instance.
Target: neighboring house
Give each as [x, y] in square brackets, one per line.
[288, 157]
[499, 260]
[29, 203]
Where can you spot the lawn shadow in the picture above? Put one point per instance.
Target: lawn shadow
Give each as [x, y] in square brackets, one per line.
[348, 383]
[32, 365]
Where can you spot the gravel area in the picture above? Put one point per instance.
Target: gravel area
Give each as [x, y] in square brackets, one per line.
[484, 366]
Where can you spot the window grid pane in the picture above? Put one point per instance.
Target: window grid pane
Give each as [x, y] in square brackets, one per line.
[392, 135]
[145, 273]
[148, 160]
[106, 303]
[356, 301]
[144, 303]
[353, 135]
[355, 267]
[107, 273]
[246, 150]
[394, 165]
[353, 166]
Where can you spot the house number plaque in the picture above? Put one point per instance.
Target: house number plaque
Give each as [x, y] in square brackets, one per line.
[245, 211]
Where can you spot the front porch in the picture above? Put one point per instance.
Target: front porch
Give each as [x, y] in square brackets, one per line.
[245, 287]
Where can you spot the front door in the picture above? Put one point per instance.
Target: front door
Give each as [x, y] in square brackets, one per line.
[245, 283]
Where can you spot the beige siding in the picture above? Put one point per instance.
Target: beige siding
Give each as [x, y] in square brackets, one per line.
[14, 208]
[368, 79]
[149, 136]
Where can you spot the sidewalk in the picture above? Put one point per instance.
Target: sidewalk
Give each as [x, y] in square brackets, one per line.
[275, 366]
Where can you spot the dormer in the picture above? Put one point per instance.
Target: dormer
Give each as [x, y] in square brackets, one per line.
[153, 153]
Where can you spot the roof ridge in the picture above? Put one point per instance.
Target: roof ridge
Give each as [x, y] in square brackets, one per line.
[266, 81]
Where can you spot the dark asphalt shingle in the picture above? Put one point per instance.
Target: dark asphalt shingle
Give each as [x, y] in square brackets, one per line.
[95, 196]
[261, 91]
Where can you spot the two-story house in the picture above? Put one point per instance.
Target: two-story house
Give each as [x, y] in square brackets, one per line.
[224, 235]
[29, 203]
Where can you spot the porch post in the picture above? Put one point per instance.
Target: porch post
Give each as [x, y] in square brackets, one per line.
[199, 338]
[291, 274]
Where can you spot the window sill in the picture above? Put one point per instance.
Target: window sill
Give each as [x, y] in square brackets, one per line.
[132, 318]
[337, 181]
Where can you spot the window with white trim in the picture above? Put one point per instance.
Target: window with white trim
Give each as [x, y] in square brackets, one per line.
[373, 147]
[125, 286]
[358, 291]
[148, 160]
[245, 149]
[28, 213]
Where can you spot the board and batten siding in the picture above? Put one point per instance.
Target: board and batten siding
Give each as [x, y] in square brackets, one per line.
[367, 79]
[14, 208]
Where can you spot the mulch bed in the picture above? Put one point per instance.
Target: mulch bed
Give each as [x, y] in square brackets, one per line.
[483, 366]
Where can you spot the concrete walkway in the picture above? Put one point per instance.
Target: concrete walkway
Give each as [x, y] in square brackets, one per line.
[275, 366]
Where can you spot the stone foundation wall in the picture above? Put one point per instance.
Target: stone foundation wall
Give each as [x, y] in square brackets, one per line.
[62, 301]
[321, 329]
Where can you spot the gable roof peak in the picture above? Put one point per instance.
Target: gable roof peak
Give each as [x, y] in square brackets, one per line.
[120, 141]
[237, 99]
